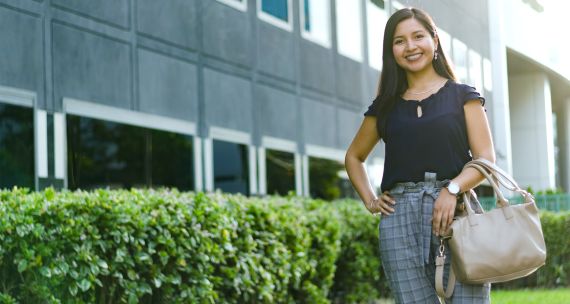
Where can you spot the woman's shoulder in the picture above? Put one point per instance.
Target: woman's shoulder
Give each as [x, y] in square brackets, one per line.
[464, 92]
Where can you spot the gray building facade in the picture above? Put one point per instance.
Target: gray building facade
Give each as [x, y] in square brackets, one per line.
[246, 92]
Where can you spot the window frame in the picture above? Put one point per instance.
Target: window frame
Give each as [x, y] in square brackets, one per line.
[320, 152]
[233, 136]
[377, 66]
[310, 36]
[242, 5]
[288, 26]
[343, 50]
[99, 111]
[28, 99]
[284, 145]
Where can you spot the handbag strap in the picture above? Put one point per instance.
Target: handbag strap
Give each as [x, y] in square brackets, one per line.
[439, 265]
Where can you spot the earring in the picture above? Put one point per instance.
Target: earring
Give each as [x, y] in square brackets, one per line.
[435, 56]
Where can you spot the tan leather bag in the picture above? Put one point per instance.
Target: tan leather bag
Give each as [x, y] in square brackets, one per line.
[503, 244]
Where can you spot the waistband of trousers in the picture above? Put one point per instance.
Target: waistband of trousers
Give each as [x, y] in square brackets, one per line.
[430, 183]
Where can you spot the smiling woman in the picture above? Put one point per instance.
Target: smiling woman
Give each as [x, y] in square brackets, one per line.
[432, 126]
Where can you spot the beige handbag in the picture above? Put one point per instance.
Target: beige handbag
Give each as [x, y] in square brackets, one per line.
[503, 244]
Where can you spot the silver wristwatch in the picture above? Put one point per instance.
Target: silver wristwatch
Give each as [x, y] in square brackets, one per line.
[453, 188]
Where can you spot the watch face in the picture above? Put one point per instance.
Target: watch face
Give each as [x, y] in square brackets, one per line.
[453, 188]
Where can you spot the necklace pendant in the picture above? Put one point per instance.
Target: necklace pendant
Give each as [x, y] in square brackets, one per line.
[420, 112]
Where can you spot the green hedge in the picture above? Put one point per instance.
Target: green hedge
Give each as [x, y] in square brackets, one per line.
[163, 246]
[168, 247]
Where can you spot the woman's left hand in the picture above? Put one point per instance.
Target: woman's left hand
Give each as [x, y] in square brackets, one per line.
[443, 212]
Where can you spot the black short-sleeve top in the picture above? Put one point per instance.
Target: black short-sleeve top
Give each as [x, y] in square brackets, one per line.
[435, 142]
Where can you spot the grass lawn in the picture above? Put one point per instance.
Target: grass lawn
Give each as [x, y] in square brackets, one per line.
[521, 296]
[531, 296]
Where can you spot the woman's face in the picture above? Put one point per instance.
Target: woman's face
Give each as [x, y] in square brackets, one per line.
[413, 46]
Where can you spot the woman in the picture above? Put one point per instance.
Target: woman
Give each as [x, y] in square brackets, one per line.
[432, 126]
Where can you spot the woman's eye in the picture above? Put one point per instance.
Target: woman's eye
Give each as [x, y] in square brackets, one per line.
[398, 42]
[419, 36]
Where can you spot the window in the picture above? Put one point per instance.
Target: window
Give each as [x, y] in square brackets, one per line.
[16, 146]
[280, 171]
[328, 179]
[110, 154]
[475, 72]
[315, 21]
[487, 75]
[276, 12]
[445, 43]
[231, 167]
[238, 4]
[460, 60]
[376, 19]
[348, 28]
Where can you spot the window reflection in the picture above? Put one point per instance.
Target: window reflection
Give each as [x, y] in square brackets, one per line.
[107, 154]
[280, 168]
[328, 179]
[16, 146]
[231, 172]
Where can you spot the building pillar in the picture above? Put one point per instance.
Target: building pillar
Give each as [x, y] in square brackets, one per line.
[499, 105]
[563, 127]
[532, 133]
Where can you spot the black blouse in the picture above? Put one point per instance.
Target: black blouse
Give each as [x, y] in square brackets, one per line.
[436, 142]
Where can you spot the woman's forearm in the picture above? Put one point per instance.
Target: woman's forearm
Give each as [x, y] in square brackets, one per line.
[470, 178]
[359, 179]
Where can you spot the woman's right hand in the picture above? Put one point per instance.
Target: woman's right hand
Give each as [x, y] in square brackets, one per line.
[382, 204]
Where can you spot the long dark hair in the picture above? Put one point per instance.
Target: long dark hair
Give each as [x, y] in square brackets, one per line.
[393, 81]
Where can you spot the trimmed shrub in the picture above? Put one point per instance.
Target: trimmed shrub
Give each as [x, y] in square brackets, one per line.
[164, 246]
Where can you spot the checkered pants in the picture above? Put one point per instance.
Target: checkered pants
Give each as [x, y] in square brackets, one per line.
[408, 247]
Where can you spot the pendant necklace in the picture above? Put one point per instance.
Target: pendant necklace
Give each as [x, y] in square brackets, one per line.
[419, 109]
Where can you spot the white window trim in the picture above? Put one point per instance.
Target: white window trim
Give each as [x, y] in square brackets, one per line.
[233, 136]
[241, 5]
[325, 152]
[273, 143]
[305, 173]
[41, 136]
[17, 97]
[288, 26]
[129, 117]
[308, 35]
[59, 144]
[198, 180]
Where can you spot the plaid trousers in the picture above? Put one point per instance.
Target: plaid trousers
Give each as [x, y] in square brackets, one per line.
[408, 247]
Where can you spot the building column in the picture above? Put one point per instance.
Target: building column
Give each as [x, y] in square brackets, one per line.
[532, 131]
[563, 126]
[499, 105]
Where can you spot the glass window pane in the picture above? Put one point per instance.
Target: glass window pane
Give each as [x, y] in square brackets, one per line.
[307, 10]
[349, 28]
[171, 161]
[328, 179]
[316, 18]
[231, 171]
[276, 8]
[16, 147]
[475, 70]
[105, 154]
[280, 168]
[376, 22]
[460, 60]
